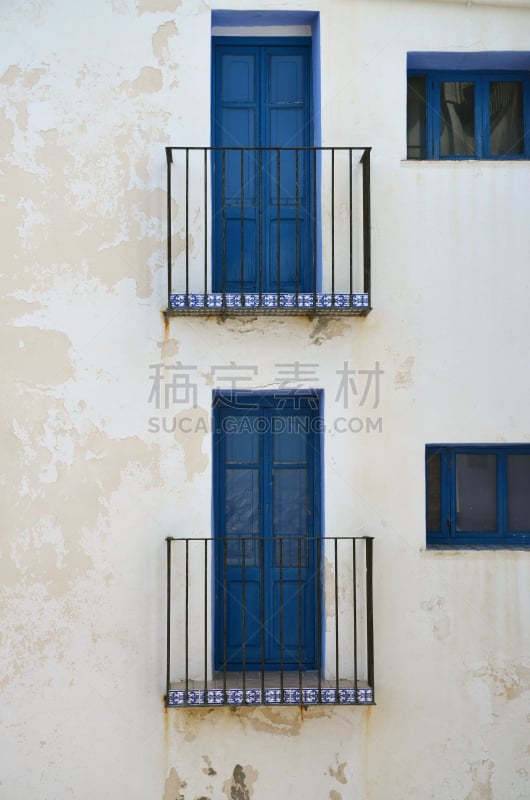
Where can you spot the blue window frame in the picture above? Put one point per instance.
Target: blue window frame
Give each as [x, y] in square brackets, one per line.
[267, 512]
[477, 495]
[468, 106]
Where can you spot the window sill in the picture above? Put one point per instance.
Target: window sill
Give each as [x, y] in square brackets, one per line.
[454, 549]
[477, 162]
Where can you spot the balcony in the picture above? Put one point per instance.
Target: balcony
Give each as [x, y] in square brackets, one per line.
[249, 624]
[268, 230]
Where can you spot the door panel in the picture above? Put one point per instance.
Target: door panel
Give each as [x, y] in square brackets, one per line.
[262, 100]
[266, 520]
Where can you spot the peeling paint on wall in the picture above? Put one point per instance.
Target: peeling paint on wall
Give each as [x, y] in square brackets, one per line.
[208, 769]
[164, 33]
[241, 785]
[173, 786]
[157, 6]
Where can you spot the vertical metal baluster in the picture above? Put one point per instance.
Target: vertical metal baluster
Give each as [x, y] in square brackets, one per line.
[281, 619]
[354, 588]
[351, 226]
[244, 617]
[224, 619]
[260, 225]
[300, 621]
[262, 614]
[205, 224]
[336, 623]
[186, 643]
[169, 159]
[168, 619]
[319, 618]
[297, 203]
[205, 621]
[367, 241]
[278, 270]
[370, 613]
[187, 224]
[314, 228]
[242, 230]
[223, 205]
[333, 225]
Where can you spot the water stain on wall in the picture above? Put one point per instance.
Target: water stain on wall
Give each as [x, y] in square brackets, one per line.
[403, 377]
[324, 329]
[440, 621]
[338, 773]
[507, 681]
[481, 774]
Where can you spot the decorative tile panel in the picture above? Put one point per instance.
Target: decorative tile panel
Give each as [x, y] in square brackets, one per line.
[233, 300]
[273, 696]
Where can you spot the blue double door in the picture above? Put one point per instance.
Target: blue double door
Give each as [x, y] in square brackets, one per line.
[267, 512]
[263, 203]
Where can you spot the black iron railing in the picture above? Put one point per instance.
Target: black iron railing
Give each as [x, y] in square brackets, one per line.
[326, 658]
[268, 230]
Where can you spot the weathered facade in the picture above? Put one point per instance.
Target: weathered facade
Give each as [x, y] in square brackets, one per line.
[109, 433]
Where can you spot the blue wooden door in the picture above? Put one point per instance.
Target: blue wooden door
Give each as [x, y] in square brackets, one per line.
[263, 205]
[267, 510]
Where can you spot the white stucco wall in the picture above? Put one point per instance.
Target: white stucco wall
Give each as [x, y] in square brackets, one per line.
[90, 96]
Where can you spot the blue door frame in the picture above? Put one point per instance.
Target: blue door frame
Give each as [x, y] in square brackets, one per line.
[264, 201]
[267, 524]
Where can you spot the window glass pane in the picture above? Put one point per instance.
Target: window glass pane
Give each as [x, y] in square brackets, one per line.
[416, 117]
[242, 443]
[289, 437]
[434, 494]
[457, 106]
[506, 118]
[242, 515]
[518, 492]
[476, 492]
[290, 515]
